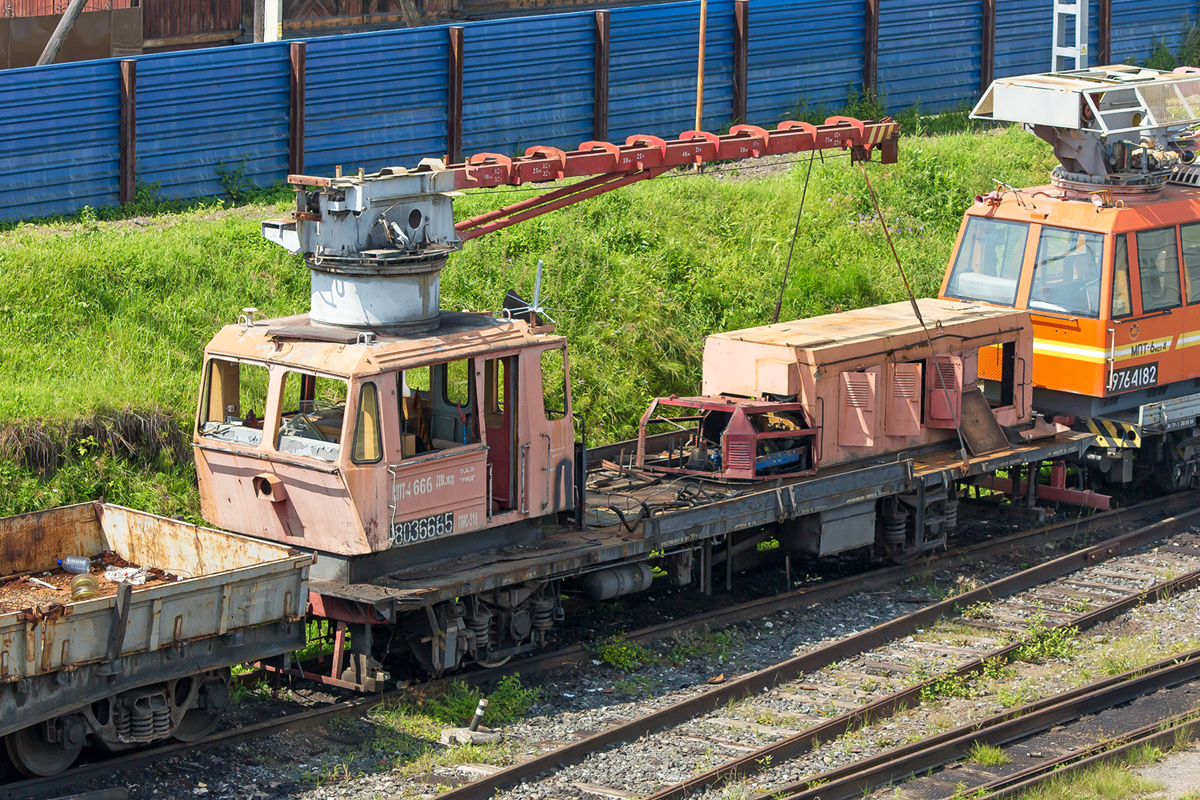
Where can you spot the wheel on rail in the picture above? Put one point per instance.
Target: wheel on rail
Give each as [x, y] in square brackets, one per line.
[212, 699]
[31, 754]
[196, 724]
[493, 663]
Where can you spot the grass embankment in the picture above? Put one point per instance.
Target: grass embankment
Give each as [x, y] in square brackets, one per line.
[105, 316]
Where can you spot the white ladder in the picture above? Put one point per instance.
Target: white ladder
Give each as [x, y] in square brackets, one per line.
[1070, 25]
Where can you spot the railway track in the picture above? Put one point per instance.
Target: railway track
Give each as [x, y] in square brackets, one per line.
[878, 650]
[1071, 530]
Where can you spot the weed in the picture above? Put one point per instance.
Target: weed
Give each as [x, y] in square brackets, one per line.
[979, 610]
[1143, 755]
[636, 685]
[706, 644]
[997, 669]
[456, 704]
[1106, 781]
[1043, 642]
[234, 181]
[986, 755]
[949, 685]
[627, 656]
[1019, 695]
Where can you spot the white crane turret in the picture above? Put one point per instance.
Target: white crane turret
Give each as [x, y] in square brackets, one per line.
[1122, 128]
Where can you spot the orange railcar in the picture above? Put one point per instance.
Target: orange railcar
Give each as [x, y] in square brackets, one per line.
[1113, 292]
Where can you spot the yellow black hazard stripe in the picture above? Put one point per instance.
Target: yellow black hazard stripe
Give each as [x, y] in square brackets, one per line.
[1114, 434]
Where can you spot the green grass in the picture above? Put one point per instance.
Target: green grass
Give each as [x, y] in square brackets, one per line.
[986, 755]
[102, 313]
[1102, 782]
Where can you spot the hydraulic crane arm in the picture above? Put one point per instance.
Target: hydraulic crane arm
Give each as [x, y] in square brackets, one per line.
[406, 212]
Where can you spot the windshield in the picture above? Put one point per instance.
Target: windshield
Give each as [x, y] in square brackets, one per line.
[988, 264]
[1066, 277]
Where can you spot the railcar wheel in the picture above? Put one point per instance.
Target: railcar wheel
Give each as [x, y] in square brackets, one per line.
[196, 724]
[34, 756]
[499, 662]
[212, 701]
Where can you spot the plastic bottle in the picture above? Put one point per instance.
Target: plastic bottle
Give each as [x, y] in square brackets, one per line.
[84, 587]
[76, 564]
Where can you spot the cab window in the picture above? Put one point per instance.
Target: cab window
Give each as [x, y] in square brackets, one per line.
[1122, 305]
[1066, 275]
[314, 410]
[235, 402]
[368, 439]
[1158, 269]
[438, 407]
[988, 264]
[1190, 234]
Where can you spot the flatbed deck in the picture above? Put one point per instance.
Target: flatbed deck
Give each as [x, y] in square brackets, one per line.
[635, 512]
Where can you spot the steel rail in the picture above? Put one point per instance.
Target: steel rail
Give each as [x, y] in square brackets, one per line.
[756, 682]
[802, 742]
[884, 576]
[904, 762]
[1167, 732]
[754, 609]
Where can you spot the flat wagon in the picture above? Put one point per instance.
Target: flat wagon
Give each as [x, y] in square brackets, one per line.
[137, 663]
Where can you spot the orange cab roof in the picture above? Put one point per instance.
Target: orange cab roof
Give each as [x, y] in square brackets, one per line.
[1044, 205]
[295, 342]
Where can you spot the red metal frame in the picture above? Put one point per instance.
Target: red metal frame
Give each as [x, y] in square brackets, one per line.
[728, 404]
[606, 166]
[1056, 491]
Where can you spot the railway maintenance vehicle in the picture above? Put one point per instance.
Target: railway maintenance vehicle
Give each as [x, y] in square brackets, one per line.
[430, 466]
[452, 506]
[1106, 259]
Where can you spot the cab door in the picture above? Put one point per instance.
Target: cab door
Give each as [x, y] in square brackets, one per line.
[1143, 348]
[1189, 333]
[500, 401]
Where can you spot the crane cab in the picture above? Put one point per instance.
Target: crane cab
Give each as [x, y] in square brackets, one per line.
[1113, 290]
[384, 450]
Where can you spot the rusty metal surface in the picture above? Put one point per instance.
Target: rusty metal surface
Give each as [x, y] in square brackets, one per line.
[96, 34]
[227, 583]
[726, 508]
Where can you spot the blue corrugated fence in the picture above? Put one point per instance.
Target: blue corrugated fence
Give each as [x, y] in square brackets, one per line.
[217, 120]
[59, 138]
[213, 121]
[375, 99]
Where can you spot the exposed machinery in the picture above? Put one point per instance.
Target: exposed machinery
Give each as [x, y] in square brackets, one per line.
[450, 505]
[1106, 258]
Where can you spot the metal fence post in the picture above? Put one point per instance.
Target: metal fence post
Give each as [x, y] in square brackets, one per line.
[128, 138]
[454, 114]
[297, 52]
[1104, 29]
[600, 79]
[741, 58]
[987, 53]
[871, 47]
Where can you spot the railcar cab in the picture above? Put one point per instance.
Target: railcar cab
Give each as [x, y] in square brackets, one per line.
[354, 445]
[1113, 291]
